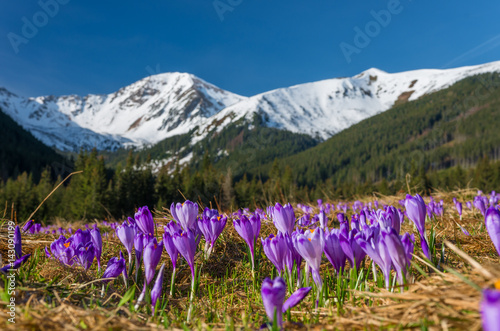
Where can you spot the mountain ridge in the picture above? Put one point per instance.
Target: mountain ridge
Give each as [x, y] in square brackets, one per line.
[169, 104]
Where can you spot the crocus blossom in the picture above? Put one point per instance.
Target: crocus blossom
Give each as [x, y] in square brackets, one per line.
[152, 255]
[186, 245]
[144, 221]
[415, 209]
[114, 268]
[276, 248]
[211, 226]
[126, 235]
[283, 217]
[333, 250]
[248, 229]
[273, 297]
[310, 246]
[96, 239]
[185, 214]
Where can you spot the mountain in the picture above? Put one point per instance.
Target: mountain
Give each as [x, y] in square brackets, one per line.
[178, 104]
[21, 152]
[456, 126]
[142, 113]
[322, 109]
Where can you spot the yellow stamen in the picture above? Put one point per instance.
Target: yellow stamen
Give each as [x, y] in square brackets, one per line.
[66, 245]
[218, 218]
[312, 231]
[309, 239]
[497, 284]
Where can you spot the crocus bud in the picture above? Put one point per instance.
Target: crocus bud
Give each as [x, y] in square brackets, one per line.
[185, 243]
[27, 226]
[492, 221]
[152, 255]
[144, 221]
[96, 238]
[126, 235]
[156, 291]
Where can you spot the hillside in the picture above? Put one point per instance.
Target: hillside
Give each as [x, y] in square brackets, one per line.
[20, 151]
[455, 126]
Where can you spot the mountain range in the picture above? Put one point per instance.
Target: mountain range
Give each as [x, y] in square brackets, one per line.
[180, 104]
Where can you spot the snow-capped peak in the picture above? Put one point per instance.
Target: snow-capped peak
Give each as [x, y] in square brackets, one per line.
[168, 104]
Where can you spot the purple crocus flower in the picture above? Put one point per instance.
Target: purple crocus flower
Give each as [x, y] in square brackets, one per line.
[96, 239]
[152, 255]
[354, 253]
[18, 242]
[186, 245]
[157, 287]
[469, 205]
[333, 250]
[126, 235]
[490, 310]
[85, 255]
[28, 226]
[310, 246]
[248, 229]
[81, 237]
[396, 218]
[293, 257]
[377, 250]
[323, 219]
[396, 250]
[273, 296]
[211, 228]
[276, 248]
[415, 209]
[408, 242]
[144, 221]
[296, 298]
[492, 221]
[458, 205]
[16, 265]
[479, 204]
[170, 246]
[62, 250]
[283, 217]
[114, 268]
[185, 214]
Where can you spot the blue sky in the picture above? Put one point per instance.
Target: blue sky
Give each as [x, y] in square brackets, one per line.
[244, 46]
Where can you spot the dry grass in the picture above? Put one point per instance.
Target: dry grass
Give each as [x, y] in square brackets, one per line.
[438, 300]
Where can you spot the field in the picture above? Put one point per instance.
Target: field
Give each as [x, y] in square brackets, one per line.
[444, 294]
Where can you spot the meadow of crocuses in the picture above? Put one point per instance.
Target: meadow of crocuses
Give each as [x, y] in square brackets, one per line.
[285, 266]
